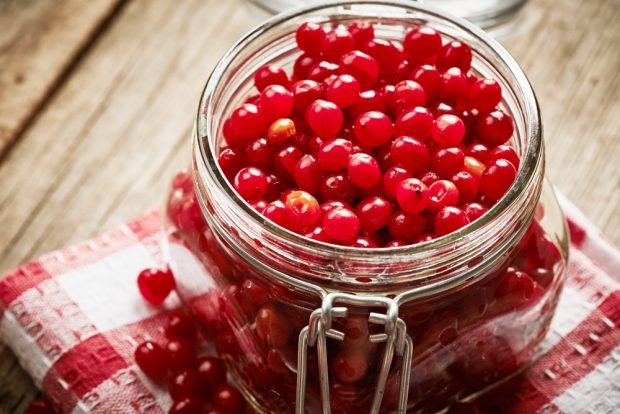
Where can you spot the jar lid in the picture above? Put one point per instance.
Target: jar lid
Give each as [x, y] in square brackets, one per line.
[488, 14]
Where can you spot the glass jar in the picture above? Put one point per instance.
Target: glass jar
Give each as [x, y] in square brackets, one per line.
[304, 325]
[491, 15]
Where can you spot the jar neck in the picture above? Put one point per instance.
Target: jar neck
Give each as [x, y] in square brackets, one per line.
[302, 262]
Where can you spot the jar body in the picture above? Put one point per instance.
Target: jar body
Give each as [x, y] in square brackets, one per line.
[254, 286]
[463, 341]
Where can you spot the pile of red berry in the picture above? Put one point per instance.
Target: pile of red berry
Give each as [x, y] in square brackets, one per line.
[195, 384]
[370, 142]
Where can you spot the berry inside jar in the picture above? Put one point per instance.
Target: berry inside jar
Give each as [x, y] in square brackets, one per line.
[366, 142]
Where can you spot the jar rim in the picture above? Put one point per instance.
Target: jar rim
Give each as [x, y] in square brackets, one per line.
[525, 174]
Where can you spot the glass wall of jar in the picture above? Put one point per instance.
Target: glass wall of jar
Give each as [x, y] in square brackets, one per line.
[485, 294]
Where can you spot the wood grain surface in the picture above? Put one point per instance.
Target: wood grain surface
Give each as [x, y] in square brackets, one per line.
[100, 146]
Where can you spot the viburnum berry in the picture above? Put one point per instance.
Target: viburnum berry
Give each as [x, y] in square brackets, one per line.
[302, 208]
[228, 399]
[152, 359]
[155, 284]
[277, 212]
[361, 66]
[415, 122]
[186, 384]
[494, 128]
[343, 90]
[410, 153]
[373, 128]
[308, 174]
[280, 131]
[497, 178]
[362, 31]
[310, 38]
[485, 94]
[408, 94]
[412, 195]
[251, 183]
[386, 53]
[324, 118]
[422, 44]
[286, 160]
[337, 42]
[430, 79]
[448, 161]
[181, 325]
[450, 219]
[40, 406]
[454, 54]
[337, 186]
[334, 154]
[270, 75]
[406, 227]
[474, 211]
[448, 130]
[211, 370]
[373, 213]
[369, 100]
[442, 193]
[506, 152]
[467, 185]
[305, 92]
[247, 122]
[231, 160]
[180, 354]
[363, 170]
[350, 366]
[392, 177]
[341, 224]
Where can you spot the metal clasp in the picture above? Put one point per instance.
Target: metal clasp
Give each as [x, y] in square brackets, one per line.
[320, 327]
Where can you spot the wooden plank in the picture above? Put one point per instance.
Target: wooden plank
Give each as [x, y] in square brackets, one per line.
[38, 42]
[570, 54]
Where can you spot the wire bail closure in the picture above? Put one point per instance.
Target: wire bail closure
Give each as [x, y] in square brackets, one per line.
[320, 327]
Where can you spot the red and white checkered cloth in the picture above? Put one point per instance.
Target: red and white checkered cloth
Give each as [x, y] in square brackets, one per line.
[74, 317]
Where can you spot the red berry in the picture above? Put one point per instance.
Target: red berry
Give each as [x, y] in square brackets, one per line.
[337, 42]
[329, 205]
[415, 122]
[362, 31]
[386, 53]
[270, 75]
[277, 212]
[180, 354]
[305, 92]
[412, 195]
[454, 54]
[408, 94]
[337, 186]
[367, 101]
[373, 128]
[474, 211]
[485, 94]
[247, 123]
[363, 242]
[286, 160]
[322, 70]
[186, 406]
[363, 170]
[152, 360]
[212, 371]
[410, 153]
[448, 161]
[40, 406]
[324, 118]
[310, 38]
[392, 177]
[228, 399]
[454, 86]
[474, 167]
[231, 161]
[256, 292]
[442, 193]
[259, 152]
[506, 152]
[273, 326]
[422, 44]
[361, 66]
[308, 174]
[429, 178]
[467, 185]
[181, 325]
[517, 290]
[430, 79]
[251, 183]
[494, 128]
[497, 178]
[373, 213]
[275, 102]
[302, 208]
[334, 155]
[341, 224]
[155, 285]
[350, 366]
[344, 90]
[448, 130]
[478, 151]
[450, 219]
[303, 64]
[406, 227]
[185, 384]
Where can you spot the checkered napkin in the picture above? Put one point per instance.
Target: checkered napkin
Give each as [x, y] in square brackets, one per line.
[74, 317]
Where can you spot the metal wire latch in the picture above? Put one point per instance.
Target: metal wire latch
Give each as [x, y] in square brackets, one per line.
[320, 327]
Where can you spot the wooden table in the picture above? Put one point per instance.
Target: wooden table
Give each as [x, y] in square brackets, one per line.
[97, 101]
